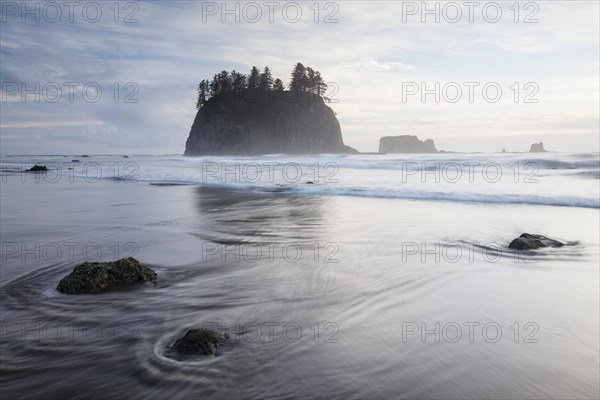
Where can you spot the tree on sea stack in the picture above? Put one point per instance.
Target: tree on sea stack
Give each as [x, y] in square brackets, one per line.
[221, 83]
[202, 92]
[225, 81]
[320, 85]
[238, 81]
[265, 80]
[253, 78]
[215, 86]
[310, 78]
[304, 79]
[314, 82]
[299, 78]
[278, 85]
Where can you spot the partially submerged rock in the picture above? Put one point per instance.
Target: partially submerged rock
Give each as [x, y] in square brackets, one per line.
[198, 342]
[533, 241]
[96, 277]
[38, 168]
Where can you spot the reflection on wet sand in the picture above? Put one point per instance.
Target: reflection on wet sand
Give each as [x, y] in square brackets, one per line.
[242, 216]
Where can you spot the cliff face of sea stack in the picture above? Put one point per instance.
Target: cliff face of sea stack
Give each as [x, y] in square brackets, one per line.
[252, 122]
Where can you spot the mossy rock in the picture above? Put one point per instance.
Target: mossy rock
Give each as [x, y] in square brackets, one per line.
[197, 342]
[95, 277]
[533, 241]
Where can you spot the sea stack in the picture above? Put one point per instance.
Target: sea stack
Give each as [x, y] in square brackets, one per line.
[406, 144]
[537, 148]
[254, 122]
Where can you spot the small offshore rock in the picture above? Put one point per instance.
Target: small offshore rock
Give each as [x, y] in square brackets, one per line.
[38, 168]
[533, 241]
[197, 342]
[405, 144]
[97, 277]
[537, 148]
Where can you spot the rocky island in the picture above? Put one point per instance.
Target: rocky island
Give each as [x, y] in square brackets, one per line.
[277, 122]
[252, 114]
[406, 144]
[537, 148]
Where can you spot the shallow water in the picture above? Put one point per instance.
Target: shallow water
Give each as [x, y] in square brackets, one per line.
[352, 289]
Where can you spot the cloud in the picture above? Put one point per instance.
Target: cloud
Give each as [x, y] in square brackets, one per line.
[369, 53]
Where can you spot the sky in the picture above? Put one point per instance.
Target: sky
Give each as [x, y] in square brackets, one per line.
[120, 78]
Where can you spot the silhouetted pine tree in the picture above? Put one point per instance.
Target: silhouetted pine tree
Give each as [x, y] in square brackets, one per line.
[253, 78]
[265, 80]
[225, 82]
[278, 85]
[238, 81]
[299, 78]
[215, 85]
[303, 79]
[310, 80]
[320, 85]
[202, 92]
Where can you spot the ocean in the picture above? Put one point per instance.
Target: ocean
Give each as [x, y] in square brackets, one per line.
[335, 276]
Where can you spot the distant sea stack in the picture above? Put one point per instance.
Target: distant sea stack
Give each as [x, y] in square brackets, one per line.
[254, 122]
[537, 148]
[406, 144]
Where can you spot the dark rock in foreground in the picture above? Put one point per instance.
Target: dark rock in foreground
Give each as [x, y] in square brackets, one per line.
[198, 342]
[265, 122]
[537, 148]
[98, 277]
[406, 144]
[38, 168]
[532, 241]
